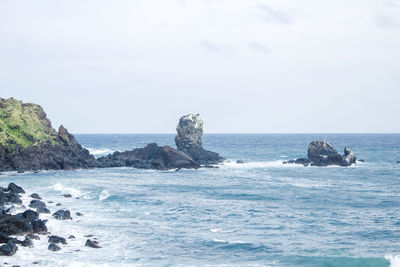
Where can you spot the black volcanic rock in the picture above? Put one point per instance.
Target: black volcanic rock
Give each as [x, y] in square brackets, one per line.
[62, 215]
[189, 140]
[322, 153]
[151, 156]
[29, 142]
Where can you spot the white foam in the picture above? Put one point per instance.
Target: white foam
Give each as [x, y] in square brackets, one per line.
[67, 190]
[216, 230]
[103, 195]
[394, 260]
[258, 164]
[99, 151]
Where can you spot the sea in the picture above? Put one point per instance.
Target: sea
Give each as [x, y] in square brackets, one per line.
[260, 213]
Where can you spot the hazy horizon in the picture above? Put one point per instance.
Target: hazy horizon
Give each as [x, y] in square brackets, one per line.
[257, 66]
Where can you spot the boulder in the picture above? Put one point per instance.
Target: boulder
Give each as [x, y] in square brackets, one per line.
[57, 239]
[189, 140]
[43, 210]
[62, 215]
[8, 249]
[30, 215]
[37, 203]
[15, 188]
[54, 247]
[39, 226]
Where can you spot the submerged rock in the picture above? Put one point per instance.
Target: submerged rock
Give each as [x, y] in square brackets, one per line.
[57, 239]
[35, 196]
[322, 153]
[92, 244]
[54, 247]
[189, 140]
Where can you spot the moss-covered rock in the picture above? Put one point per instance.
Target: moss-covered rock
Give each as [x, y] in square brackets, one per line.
[29, 142]
[24, 125]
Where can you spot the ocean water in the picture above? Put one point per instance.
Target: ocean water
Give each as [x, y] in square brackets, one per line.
[261, 213]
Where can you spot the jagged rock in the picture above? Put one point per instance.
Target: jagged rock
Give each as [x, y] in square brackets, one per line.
[240, 161]
[54, 247]
[150, 157]
[92, 244]
[15, 188]
[189, 140]
[67, 195]
[62, 215]
[71, 237]
[322, 153]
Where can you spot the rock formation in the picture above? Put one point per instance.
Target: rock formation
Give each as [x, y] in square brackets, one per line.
[29, 142]
[322, 153]
[150, 157]
[189, 140]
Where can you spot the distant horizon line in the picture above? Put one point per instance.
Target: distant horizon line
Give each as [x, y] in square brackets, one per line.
[243, 133]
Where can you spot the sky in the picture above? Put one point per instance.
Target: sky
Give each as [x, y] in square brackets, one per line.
[254, 66]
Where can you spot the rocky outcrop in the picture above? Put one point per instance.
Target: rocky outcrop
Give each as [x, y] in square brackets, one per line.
[29, 142]
[150, 157]
[189, 140]
[322, 153]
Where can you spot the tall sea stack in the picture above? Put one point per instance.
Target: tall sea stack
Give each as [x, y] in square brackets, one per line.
[189, 140]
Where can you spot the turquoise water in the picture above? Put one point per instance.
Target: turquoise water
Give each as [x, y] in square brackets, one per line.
[261, 213]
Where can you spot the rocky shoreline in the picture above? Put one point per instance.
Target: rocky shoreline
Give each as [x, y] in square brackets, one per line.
[22, 226]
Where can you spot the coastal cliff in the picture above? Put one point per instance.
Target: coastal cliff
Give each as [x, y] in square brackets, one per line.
[29, 142]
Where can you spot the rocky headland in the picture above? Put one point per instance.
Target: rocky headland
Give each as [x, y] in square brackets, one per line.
[322, 153]
[28, 142]
[189, 140]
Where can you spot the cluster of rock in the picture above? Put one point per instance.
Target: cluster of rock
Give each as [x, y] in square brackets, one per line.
[189, 140]
[190, 153]
[322, 153]
[27, 223]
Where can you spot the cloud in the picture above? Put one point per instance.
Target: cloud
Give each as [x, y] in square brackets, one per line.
[215, 48]
[259, 47]
[385, 22]
[274, 15]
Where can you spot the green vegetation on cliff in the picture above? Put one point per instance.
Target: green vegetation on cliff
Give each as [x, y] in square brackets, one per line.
[24, 124]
